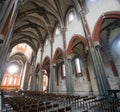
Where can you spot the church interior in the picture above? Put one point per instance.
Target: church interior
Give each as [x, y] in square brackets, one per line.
[60, 55]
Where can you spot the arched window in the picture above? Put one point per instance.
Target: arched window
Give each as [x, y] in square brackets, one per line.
[29, 82]
[5, 80]
[63, 70]
[57, 31]
[10, 81]
[78, 67]
[46, 42]
[71, 17]
[15, 80]
[45, 82]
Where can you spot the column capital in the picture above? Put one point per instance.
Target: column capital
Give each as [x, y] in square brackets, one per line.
[41, 50]
[96, 43]
[54, 65]
[69, 57]
[42, 70]
[63, 30]
[81, 12]
[49, 27]
[52, 40]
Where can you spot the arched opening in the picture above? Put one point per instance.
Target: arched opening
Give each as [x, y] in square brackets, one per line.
[45, 81]
[78, 53]
[46, 73]
[60, 70]
[12, 75]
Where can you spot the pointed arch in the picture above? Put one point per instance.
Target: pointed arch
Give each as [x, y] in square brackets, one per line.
[57, 52]
[46, 63]
[96, 31]
[81, 38]
[37, 68]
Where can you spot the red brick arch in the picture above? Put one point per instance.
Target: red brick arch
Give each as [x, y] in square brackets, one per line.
[55, 55]
[47, 58]
[81, 38]
[96, 31]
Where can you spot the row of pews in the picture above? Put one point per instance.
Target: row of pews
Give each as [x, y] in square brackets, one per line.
[34, 101]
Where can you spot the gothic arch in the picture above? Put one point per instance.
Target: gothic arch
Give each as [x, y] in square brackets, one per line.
[37, 69]
[96, 31]
[79, 37]
[46, 64]
[58, 50]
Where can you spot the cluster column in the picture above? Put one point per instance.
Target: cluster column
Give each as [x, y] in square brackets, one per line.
[33, 78]
[4, 51]
[98, 67]
[40, 83]
[69, 74]
[68, 66]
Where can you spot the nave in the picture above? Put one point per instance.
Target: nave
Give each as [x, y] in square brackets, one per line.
[60, 55]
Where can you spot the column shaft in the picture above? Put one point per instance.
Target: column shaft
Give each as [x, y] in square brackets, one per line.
[33, 79]
[69, 79]
[40, 84]
[6, 43]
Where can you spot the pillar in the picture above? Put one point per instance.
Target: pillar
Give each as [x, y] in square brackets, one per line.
[41, 72]
[51, 64]
[40, 83]
[7, 40]
[102, 69]
[23, 76]
[51, 79]
[33, 78]
[3, 9]
[54, 79]
[68, 66]
[69, 76]
[6, 11]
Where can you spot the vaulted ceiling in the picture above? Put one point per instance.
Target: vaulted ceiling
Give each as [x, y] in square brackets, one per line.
[36, 20]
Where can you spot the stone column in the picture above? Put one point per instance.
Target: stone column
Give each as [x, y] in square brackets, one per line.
[7, 8]
[2, 14]
[40, 83]
[69, 76]
[50, 79]
[36, 81]
[54, 79]
[51, 65]
[23, 76]
[103, 77]
[7, 40]
[41, 72]
[68, 66]
[33, 78]
[94, 56]
[3, 9]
